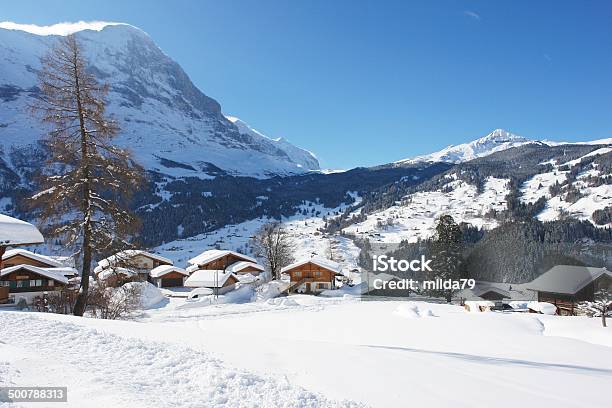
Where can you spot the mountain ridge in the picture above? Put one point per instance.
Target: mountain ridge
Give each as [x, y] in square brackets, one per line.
[162, 114]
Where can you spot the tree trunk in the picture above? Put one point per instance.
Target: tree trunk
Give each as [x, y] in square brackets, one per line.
[603, 316]
[81, 302]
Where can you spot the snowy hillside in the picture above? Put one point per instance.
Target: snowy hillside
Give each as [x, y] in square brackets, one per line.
[571, 188]
[591, 197]
[495, 141]
[415, 217]
[168, 123]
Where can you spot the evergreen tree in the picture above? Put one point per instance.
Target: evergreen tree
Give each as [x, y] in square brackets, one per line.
[447, 251]
[88, 180]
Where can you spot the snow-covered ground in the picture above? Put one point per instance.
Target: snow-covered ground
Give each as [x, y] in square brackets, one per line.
[415, 217]
[312, 351]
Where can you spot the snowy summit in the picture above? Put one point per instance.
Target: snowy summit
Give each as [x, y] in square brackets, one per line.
[59, 28]
[496, 141]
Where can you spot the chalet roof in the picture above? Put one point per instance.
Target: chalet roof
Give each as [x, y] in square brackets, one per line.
[29, 254]
[46, 272]
[238, 266]
[126, 255]
[566, 279]
[115, 271]
[162, 270]
[322, 262]
[67, 271]
[208, 278]
[17, 232]
[214, 254]
[481, 289]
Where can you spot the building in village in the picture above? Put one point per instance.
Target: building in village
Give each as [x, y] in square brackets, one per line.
[219, 259]
[168, 276]
[129, 265]
[312, 275]
[565, 286]
[220, 281]
[221, 270]
[13, 233]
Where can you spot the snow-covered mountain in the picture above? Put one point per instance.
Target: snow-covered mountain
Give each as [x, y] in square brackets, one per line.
[169, 124]
[495, 141]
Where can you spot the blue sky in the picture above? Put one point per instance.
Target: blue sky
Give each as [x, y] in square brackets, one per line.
[368, 82]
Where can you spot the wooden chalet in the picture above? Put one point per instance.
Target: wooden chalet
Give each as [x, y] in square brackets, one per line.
[565, 285]
[168, 276]
[14, 232]
[312, 275]
[28, 282]
[245, 267]
[217, 259]
[230, 267]
[129, 265]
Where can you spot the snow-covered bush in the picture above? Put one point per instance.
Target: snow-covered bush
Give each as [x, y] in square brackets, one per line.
[600, 307]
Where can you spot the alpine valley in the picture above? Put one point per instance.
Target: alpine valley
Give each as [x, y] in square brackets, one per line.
[213, 179]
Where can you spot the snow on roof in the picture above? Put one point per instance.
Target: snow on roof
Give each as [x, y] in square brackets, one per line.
[29, 254]
[208, 278]
[107, 273]
[126, 255]
[47, 272]
[192, 268]
[566, 279]
[238, 266]
[213, 254]
[162, 270]
[322, 262]
[67, 271]
[17, 232]
[58, 29]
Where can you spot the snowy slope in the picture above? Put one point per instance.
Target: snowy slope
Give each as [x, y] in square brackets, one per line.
[169, 124]
[414, 216]
[495, 141]
[592, 197]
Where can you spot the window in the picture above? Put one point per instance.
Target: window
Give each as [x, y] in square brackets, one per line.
[32, 282]
[298, 274]
[318, 273]
[51, 282]
[39, 282]
[12, 284]
[20, 283]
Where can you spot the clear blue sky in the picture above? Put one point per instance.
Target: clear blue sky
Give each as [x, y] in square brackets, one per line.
[368, 82]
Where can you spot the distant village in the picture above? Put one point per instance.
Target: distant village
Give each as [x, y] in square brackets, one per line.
[26, 277]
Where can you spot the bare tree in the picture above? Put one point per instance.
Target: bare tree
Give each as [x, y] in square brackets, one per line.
[106, 302]
[600, 307]
[273, 243]
[88, 180]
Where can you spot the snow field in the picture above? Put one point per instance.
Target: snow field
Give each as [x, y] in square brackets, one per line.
[116, 370]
